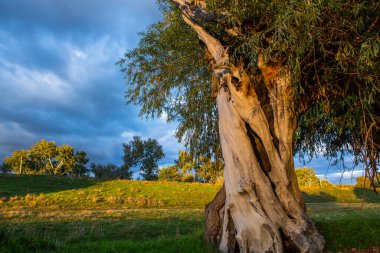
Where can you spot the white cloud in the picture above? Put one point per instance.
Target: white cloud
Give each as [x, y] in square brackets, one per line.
[128, 135]
[344, 175]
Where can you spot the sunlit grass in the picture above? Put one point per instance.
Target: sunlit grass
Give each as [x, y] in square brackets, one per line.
[44, 192]
[50, 214]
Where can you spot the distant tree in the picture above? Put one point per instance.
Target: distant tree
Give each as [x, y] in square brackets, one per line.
[20, 162]
[64, 161]
[105, 171]
[81, 160]
[203, 168]
[307, 177]
[149, 164]
[45, 157]
[170, 174]
[4, 168]
[133, 154]
[142, 153]
[48, 158]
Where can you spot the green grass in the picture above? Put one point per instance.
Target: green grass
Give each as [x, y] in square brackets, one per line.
[50, 214]
[46, 192]
[64, 193]
[343, 225]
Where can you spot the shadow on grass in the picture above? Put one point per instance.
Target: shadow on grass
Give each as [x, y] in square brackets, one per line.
[350, 231]
[20, 185]
[367, 195]
[318, 198]
[48, 235]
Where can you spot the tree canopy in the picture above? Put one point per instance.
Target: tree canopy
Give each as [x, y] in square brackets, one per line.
[45, 157]
[142, 153]
[332, 49]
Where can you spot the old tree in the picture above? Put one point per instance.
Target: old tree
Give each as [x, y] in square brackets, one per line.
[263, 80]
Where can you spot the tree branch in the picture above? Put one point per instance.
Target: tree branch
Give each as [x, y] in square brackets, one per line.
[213, 45]
[198, 11]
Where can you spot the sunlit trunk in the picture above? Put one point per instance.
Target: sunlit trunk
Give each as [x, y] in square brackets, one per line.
[260, 208]
[256, 214]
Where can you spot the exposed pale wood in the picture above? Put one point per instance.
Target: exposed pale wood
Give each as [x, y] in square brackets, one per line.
[263, 209]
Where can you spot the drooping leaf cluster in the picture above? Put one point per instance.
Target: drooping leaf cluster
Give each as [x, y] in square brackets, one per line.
[331, 47]
[168, 73]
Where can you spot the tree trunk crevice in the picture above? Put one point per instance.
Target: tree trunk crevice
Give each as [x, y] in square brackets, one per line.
[257, 205]
[260, 207]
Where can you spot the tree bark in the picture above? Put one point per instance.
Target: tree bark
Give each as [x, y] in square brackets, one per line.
[260, 207]
[267, 216]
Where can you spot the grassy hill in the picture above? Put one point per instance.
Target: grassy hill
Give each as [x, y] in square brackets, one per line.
[71, 193]
[53, 214]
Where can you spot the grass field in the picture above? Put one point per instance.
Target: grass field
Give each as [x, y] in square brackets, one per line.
[51, 214]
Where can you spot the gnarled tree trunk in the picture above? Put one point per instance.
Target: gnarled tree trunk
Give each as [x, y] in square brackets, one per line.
[260, 208]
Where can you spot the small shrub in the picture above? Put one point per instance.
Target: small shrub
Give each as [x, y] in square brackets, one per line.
[169, 174]
[29, 197]
[141, 201]
[365, 182]
[114, 200]
[188, 178]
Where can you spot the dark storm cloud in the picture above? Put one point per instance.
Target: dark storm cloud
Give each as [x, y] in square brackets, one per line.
[58, 77]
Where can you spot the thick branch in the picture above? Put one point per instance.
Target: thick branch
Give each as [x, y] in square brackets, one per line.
[213, 45]
[198, 11]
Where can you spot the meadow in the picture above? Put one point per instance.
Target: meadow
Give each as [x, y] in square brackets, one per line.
[54, 214]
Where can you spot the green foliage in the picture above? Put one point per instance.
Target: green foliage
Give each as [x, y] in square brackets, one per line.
[210, 171]
[205, 169]
[331, 47]
[145, 153]
[307, 177]
[105, 171]
[149, 164]
[81, 160]
[45, 157]
[20, 163]
[4, 168]
[133, 152]
[169, 174]
[168, 73]
[185, 162]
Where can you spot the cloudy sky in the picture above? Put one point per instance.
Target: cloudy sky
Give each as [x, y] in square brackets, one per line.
[59, 81]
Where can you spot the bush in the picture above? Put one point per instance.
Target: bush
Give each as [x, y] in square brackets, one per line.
[365, 182]
[188, 178]
[169, 174]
